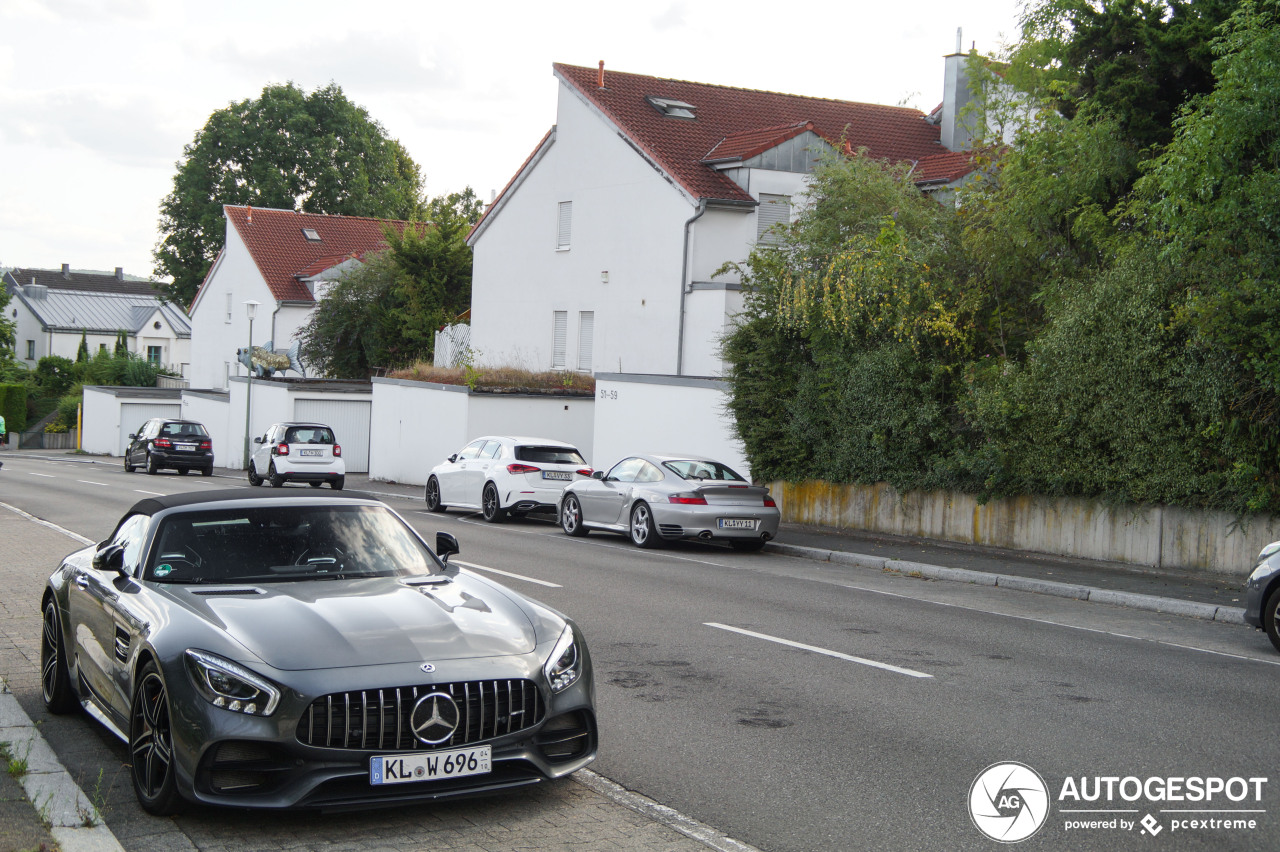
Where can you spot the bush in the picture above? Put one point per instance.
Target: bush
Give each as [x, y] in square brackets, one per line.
[13, 406]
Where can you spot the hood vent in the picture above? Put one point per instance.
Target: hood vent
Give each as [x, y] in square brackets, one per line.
[224, 593]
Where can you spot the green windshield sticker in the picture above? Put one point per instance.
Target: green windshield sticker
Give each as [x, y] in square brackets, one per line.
[164, 570]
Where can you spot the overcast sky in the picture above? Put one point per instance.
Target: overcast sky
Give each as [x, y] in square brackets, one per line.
[98, 97]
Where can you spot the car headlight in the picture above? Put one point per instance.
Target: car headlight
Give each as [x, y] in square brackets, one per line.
[565, 663]
[230, 686]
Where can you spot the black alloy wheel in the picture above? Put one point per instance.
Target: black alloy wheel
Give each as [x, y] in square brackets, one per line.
[254, 479]
[55, 683]
[152, 467]
[151, 745]
[128, 468]
[643, 533]
[206, 471]
[571, 517]
[274, 476]
[1271, 618]
[336, 484]
[491, 506]
[433, 496]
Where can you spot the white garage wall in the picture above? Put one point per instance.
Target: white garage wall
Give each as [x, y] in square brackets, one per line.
[213, 409]
[568, 419]
[413, 427]
[664, 414]
[111, 413]
[349, 420]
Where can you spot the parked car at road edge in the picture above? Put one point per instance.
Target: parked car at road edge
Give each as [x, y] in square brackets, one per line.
[504, 475]
[1262, 593]
[181, 445]
[298, 452]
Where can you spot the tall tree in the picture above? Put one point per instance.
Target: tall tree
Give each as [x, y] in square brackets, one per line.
[315, 153]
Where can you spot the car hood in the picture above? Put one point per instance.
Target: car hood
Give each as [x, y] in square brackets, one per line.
[337, 623]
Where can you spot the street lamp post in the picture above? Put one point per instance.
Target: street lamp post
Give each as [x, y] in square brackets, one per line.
[251, 308]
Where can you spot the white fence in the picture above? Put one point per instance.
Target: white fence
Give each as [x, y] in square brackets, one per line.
[453, 346]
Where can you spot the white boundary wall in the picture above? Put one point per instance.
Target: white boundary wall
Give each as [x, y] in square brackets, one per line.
[664, 414]
[417, 425]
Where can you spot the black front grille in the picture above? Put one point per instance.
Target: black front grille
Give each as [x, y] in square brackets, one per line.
[378, 719]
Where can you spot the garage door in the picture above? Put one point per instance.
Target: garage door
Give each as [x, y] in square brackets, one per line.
[349, 420]
[134, 414]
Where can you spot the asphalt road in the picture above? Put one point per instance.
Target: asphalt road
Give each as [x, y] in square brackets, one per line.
[869, 728]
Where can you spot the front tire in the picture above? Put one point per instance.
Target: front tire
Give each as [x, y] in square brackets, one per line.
[571, 517]
[315, 484]
[274, 476]
[643, 532]
[433, 496]
[491, 506]
[55, 683]
[254, 479]
[1271, 618]
[151, 745]
[128, 468]
[182, 471]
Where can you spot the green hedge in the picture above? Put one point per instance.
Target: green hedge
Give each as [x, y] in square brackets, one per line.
[13, 405]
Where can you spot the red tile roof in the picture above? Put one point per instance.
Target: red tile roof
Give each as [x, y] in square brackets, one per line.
[943, 168]
[679, 146]
[283, 254]
[749, 143]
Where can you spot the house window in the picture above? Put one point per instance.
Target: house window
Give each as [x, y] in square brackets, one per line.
[586, 333]
[102, 347]
[31, 350]
[228, 319]
[154, 353]
[565, 225]
[312, 235]
[560, 340]
[773, 210]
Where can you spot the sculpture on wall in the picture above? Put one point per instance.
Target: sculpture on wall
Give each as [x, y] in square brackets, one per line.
[265, 361]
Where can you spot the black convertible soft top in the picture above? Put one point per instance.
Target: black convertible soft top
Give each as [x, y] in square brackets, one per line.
[154, 505]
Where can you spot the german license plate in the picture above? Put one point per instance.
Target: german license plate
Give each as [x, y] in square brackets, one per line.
[311, 452]
[738, 523]
[562, 475]
[402, 768]
[184, 448]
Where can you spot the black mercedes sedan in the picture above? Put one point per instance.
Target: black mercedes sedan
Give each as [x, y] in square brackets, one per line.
[1262, 593]
[309, 650]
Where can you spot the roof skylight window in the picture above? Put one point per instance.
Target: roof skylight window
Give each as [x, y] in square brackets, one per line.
[671, 108]
[312, 235]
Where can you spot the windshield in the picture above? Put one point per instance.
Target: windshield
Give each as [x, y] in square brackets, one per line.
[702, 470]
[549, 455]
[266, 544]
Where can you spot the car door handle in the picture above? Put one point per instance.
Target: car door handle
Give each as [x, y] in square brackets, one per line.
[82, 581]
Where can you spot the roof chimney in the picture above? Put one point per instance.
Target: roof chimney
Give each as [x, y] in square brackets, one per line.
[250, 214]
[119, 273]
[600, 76]
[66, 270]
[955, 134]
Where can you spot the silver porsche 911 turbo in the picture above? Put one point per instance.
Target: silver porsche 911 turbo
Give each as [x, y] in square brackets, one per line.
[309, 650]
[657, 498]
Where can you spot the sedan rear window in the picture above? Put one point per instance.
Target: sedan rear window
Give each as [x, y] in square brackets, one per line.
[309, 435]
[268, 544]
[549, 455]
[693, 469]
[187, 429]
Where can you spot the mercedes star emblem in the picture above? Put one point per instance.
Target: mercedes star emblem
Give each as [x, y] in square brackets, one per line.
[434, 719]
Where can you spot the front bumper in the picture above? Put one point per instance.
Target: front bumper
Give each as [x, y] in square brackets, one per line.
[233, 760]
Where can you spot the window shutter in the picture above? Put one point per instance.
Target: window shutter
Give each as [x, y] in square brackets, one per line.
[586, 332]
[773, 210]
[564, 231]
[560, 344]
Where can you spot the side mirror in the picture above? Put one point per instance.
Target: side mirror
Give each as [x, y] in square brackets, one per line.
[110, 558]
[257, 440]
[597, 474]
[453, 458]
[132, 435]
[446, 545]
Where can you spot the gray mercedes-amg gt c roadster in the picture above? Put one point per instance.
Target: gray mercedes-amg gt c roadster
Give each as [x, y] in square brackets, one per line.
[309, 650]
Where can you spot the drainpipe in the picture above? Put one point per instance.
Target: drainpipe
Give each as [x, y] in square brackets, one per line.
[684, 282]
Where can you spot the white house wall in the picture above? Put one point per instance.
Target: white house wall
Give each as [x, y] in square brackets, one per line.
[664, 414]
[622, 223]
[562, 419]
[214, 339]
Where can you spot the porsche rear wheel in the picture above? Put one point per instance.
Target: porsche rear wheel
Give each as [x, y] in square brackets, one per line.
[643, 532]
[55, 684]
[151, 745]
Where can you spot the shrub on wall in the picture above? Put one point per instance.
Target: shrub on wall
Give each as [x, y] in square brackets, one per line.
[13, 405]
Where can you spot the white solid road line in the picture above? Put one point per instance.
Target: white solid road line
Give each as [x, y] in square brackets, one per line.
[91, 482]
[152, 493]
[817, 650]
[508, 574]
[45, 475]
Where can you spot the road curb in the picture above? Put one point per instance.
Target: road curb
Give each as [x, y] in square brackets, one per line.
[1133, 600]
[58, 801]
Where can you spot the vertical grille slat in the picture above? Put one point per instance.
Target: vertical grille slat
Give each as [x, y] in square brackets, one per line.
[487, 709]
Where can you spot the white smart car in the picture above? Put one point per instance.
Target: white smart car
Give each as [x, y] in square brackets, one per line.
[502, 475]
[298, 452]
